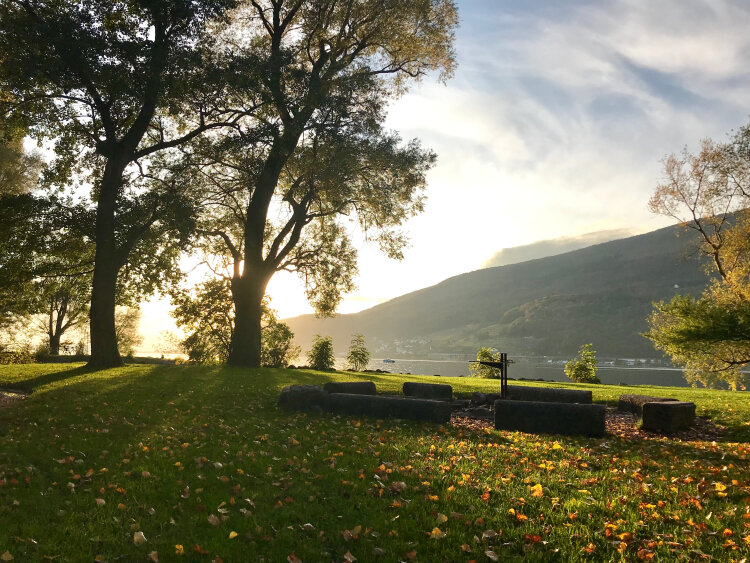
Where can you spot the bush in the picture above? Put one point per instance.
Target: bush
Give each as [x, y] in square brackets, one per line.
[277, 350]
[582, 368]
[478, 370]
[320, 355]
[23, 356]
[359, 355]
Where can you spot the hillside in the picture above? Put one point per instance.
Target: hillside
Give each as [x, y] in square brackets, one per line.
[549, 306]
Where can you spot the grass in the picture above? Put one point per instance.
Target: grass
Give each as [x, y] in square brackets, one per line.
[203, 464]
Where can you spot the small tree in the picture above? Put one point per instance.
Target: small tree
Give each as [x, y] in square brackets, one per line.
[320, 355]
[277, 350]
[127, 324]
[582, 368]
[359, 355]
[485, 355]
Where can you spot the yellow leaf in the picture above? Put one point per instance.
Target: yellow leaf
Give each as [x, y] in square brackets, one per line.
[536, 491]
[437, 533]
[179, 550]
[721, 487]
[232, 535]
[441, 518]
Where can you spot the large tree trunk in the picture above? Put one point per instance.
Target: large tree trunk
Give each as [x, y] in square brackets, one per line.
[104, 351]
[54, 344]
[247, 294]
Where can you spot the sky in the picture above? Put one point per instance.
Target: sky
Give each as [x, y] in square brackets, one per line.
[552, 129]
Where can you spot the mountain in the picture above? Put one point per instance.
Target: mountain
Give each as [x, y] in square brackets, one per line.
[548, 306]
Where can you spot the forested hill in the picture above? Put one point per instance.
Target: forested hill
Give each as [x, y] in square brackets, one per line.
[549, 306]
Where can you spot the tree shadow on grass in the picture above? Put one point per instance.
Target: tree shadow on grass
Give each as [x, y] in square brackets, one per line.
[32, 384]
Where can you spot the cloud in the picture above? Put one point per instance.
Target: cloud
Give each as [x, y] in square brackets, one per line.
[552, 247]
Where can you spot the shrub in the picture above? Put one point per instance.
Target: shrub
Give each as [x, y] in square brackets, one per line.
[478, 370]
[320, 355]
[277, 350]
[582, 368]
[359, 355]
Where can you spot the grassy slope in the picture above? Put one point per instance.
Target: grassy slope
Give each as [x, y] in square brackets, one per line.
[213, 444]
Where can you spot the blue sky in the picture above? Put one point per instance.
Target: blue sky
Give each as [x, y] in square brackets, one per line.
[554, 126]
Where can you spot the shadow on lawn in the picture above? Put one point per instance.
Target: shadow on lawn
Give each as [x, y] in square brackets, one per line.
[32, 384]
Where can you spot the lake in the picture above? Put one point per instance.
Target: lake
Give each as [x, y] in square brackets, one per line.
[671, 377]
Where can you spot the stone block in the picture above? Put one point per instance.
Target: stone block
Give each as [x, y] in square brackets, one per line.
[380, 406]
[540, 417]
[351, 387]
[302, 398]
[548, 394]
[428, 391]
[668, 416]
[634, 403]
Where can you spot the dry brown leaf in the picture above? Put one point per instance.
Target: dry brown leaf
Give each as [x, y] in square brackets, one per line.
[139, 538]
[154, 557]
[214, 520]
[492, 555]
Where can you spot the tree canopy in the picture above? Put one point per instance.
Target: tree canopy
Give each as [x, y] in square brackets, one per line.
[108, 84]
[313, 153]
[709, 192]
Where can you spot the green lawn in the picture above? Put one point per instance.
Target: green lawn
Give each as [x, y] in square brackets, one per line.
[203, 464]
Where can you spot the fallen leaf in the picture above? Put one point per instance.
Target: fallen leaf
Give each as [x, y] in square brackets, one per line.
[437, 533]
[411, 555]
[491, 554]
[154, 556]
[536, 491]
[6, 556]
[214, 520]
[232, 535]
[139, 538]
[441, 518]
[100, 502]
[292, 558]
[349, 557]
[489, 534]
[179, 550]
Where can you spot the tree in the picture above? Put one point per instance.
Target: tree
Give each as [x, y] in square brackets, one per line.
[277, 350]
[320, 355]
[582, 368]
[709, 193]
[279, 189]
[45, 265]
[127, 325]
[19, 169]
[485, 355]
[110, 83]
[206, 314]
[63, 304]
[359, 355]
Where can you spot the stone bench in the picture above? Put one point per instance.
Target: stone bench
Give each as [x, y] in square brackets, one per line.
[380, 406]
[540, 417]
[548, 394]
[428, 391]
[634, 403]
[351, 387]
[668, 416]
